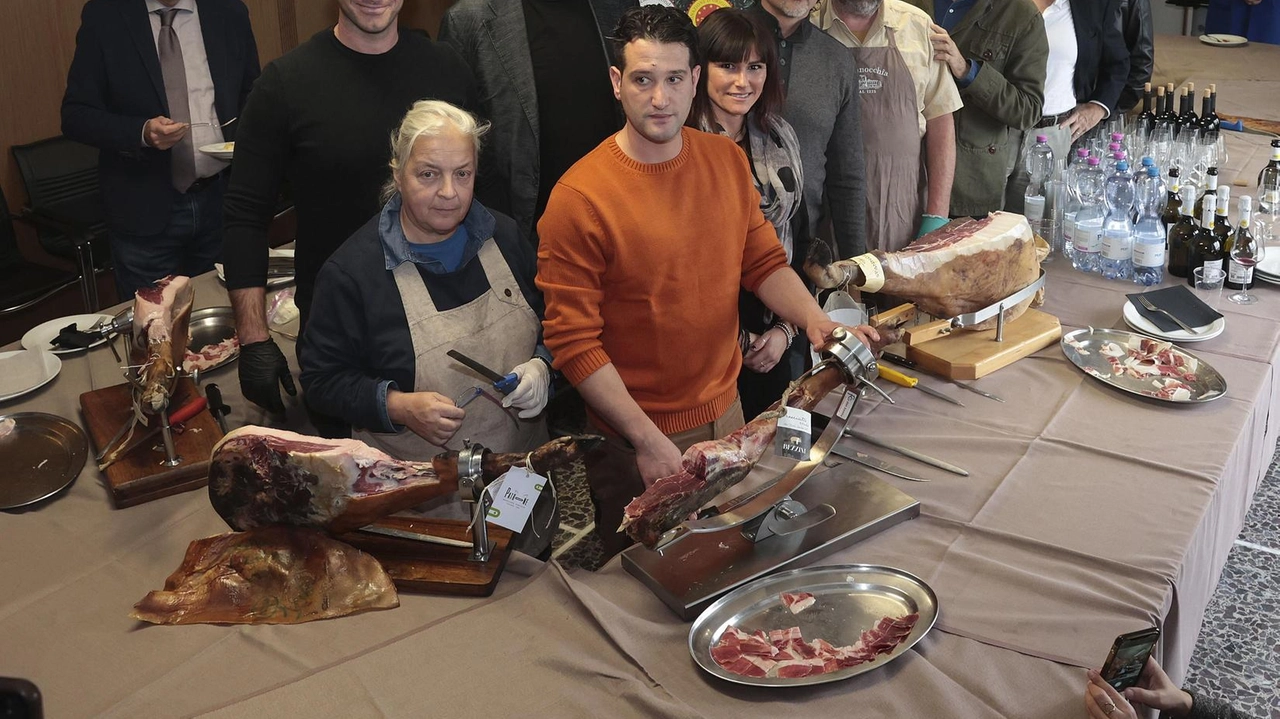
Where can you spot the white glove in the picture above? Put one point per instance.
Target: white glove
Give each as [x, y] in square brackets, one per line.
[530, 396]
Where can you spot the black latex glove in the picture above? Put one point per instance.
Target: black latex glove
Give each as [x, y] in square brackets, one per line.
[262, 365]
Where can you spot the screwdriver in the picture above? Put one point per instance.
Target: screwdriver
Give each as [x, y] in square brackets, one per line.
[905, 380]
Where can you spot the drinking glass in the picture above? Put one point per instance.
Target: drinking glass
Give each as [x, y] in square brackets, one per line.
[1208, 284]
[1248, 257]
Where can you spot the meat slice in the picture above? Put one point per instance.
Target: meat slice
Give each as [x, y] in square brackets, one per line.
[797, 602]
[792, 657]
[260, 476]
[709, 468]
[161, 331]
[962, 267]
[271, 575]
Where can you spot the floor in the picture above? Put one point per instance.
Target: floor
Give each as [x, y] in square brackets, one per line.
[1237, 656]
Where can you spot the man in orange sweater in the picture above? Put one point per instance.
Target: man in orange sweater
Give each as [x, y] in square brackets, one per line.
[644, 244]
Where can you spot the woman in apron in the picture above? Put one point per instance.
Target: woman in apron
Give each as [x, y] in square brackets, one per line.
[434, 271]
[740, 96]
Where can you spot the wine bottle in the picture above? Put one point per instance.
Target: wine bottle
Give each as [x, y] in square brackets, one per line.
[1210, 124]
[1161, 118]
[1222, 228]
[1180, 235]
[1188, 118]
[1173, 202]
[1270, 175]
[1242, 255]
[1206, 250]
[1212, 189]
[1147, 118]
[1179, 117]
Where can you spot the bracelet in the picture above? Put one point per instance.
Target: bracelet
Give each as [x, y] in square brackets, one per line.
[787, 332]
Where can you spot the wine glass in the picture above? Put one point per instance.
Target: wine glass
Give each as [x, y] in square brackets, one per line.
[1246, 255]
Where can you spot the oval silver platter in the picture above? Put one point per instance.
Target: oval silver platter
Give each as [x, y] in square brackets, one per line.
[1083, 348]
[848, 598]
[212, 325]
[42, 455]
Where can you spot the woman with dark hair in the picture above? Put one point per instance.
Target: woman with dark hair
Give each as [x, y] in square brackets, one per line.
[740, 96]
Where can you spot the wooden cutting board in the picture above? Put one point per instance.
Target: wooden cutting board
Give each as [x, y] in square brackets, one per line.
[139, 476]
[434, 568]
[970, 355]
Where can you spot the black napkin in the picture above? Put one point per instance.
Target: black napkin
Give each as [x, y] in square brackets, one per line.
[1179, 302]
[69, 338]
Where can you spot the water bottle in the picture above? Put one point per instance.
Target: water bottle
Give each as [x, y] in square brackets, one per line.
[1109, 160]
[1117, 227]
[1039, 164]
[1086, 238]
[1148, 234]
[1071, 200]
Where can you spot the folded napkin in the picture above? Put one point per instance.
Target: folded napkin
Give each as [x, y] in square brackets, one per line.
[1179, 302]
[70, 338]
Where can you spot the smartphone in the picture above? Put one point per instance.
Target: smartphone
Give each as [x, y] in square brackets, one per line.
[1128, 656]
[19, 699]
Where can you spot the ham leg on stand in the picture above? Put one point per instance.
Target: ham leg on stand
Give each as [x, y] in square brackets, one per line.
[161, 319]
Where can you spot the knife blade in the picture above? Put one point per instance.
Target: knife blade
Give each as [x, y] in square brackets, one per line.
[975, 390]
[502, 383]
[905, 452]
[935, 393]
[906, 380]
[415, 536]
[867, 460]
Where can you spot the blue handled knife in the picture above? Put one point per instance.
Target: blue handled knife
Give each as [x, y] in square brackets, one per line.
[503, 383]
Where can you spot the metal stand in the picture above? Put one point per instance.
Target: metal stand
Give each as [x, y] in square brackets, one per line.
[471, 490]
[171, 457]
[780, 522]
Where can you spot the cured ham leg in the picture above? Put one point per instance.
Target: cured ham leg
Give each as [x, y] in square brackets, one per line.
[161, 319]
[959, 268]
[709, 468]
[271, 575]
[260, 476]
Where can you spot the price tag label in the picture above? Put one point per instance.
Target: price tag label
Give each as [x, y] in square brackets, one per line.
[795, 432]
[514, 495]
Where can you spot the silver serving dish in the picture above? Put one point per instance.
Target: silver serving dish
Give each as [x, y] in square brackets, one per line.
[41, 455]
[1084, 349]
[849, 599]
[210, 326]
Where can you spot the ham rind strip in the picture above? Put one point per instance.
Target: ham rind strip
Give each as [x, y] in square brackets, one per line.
[791, 657]
[797, 602]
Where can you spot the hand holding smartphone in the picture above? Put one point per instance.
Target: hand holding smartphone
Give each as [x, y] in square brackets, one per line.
[1128, 656]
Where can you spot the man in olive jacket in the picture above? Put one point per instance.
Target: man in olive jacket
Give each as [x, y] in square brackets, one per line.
[996, 51]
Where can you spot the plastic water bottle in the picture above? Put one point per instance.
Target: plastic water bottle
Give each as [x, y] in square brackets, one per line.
[1148, 234]
[1109, 159]
[1071, 201]
[1117, 228]
[1039, 164]
[1086, 238]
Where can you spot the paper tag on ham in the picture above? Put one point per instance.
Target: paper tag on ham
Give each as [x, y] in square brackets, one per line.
[795, 432]
[872, 270]
[514, 495]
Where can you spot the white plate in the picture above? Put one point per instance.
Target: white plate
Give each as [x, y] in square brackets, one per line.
[220, 150]
[39, 337]
[1222, 40]
[271, 281]
[11, 387]
[1269, 279]
[1134, 319]
[1270, 265]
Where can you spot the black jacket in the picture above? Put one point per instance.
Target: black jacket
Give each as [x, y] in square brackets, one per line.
[1102, 60]
[1138, 36]
[115, 86]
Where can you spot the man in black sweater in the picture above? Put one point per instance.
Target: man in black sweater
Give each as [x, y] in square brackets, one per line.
[321, 117]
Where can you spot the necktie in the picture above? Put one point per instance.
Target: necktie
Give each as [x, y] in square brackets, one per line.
[183, 159]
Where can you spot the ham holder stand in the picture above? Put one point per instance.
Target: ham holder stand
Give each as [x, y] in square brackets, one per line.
[776, 519]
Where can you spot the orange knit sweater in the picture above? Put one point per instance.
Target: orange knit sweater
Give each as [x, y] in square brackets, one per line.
[640, 265]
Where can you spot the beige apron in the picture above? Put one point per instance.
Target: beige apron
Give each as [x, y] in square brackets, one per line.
[891, 145]
[497, 329]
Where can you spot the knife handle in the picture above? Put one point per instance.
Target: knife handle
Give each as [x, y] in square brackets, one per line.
[897, 377]
[507, 384]
[188, 410]
[898, 360]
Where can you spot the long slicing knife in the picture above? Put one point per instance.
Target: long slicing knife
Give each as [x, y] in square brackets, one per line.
[502, 383]
[867, 460]
[917, 456]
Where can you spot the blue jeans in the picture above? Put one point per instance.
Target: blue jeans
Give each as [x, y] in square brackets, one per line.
[189, 245]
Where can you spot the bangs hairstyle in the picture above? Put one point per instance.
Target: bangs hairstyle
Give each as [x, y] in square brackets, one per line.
[729, 35]
[656, 23]
[429, 118]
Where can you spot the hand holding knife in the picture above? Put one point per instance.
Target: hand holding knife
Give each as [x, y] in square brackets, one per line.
[503, 383]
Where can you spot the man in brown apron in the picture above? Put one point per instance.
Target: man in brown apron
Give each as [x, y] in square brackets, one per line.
[906, 96]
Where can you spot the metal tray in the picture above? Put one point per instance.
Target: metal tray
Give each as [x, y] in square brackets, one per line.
[210, 326]
[1209, 384]
[850, 598]
[42, 455]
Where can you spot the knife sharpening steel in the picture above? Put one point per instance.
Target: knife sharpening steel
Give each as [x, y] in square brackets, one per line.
[776, 523]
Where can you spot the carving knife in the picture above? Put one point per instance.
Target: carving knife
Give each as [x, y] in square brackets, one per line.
[867, 460]
[503, 383]
[905, 452]
[905, 380]
[415, 536]
[904, 362]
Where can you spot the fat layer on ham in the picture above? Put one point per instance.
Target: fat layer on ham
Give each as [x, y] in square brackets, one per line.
[797, 602]
[271, 575]
[961, 267]
[161, 319]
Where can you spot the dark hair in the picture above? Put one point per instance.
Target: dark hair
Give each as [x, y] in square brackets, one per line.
[729, 35]
[656, 23]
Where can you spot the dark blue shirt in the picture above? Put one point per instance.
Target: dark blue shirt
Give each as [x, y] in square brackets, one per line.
[447, 252]
[949, 14]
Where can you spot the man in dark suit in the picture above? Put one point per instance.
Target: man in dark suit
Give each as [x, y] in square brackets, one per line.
[151, 82]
